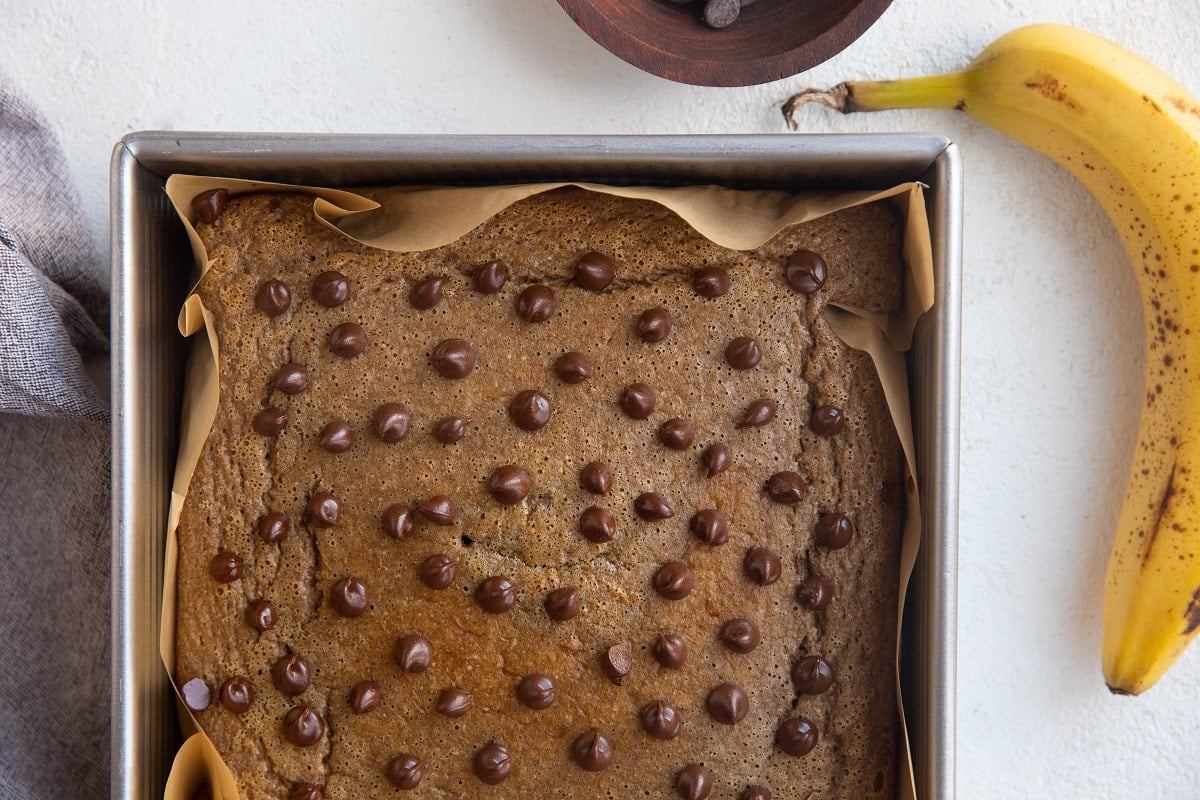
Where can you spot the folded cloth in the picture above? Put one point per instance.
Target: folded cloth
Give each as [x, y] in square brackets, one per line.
[54, 474]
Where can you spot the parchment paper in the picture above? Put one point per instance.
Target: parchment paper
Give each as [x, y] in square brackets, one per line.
[414, 219]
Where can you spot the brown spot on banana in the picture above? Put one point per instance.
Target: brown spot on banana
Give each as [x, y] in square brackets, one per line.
[1192, 613]
[1050, 88]
[1167, 494]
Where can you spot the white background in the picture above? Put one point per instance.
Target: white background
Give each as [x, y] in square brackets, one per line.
[1051, 326]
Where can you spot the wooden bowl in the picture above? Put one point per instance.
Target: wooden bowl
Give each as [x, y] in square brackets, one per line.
[770, 39]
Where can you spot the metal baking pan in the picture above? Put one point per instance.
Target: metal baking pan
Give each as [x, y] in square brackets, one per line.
[151, 268]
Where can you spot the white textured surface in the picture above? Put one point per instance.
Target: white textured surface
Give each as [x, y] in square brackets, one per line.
[1052, 331]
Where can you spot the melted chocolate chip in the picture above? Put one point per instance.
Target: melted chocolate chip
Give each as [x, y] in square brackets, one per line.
[496, 594]
[710, 526]
[743, 353]
[290, 674]
[827, 421]
[453, 358]
[509, 484]
[715, 459]
[492, 764]
[270, 421]
[336, 437]
[677, 434]
[755, 793]
[331, 289]
[670, 650]
[438, 509]
[207, 206]
[450, 430]
[592, 752]
[454, 702]
[427, 293]
[660, 720]
[693, 782]
[274, 526]
[196, 694]
[491, 277]
[323, 510]
[785, 487]
[350, 597]
[594, 271]
[260, 615]
[529, 410]
[674, 580]
[740, 635]
[537, 691]
[364, 697]
[596, 477]
[711, 282]
[397, 521]
[412, 653]
[654, 325]
[302, 726]
[236, 695]
[390, 422]
[562, 604]
[292, 378]
[805, 271]
[812, 675]
[759, 413]
[763, 566]
[437, 571]
[572, 367]
[637, 400]
[814, 593]
[834, 531]
[348, 340]
[405, 771]
[617, 662]
[597, 525]
[727, 703]
[225, 567]
[306, 791]
[796, 736]
[537, 303]
[273, 298]
[652, 506]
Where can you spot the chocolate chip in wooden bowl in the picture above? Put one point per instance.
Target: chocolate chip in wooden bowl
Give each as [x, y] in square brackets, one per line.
[491, 277]
[426, 293]
[273, 298]
[594, 271]
[331, 288]
[208, 206]
[592, 752]
[537, 303]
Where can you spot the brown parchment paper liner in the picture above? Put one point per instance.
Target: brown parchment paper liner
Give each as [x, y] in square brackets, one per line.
[414, 219]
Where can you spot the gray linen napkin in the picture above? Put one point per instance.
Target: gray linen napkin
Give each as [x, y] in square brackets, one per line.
[54, 474]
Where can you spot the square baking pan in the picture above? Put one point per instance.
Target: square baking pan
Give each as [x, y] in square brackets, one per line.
[152, 267]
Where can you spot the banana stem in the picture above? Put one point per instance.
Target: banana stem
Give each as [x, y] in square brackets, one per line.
[931, 91]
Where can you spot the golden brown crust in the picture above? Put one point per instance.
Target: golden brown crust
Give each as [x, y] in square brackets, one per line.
[535, 542]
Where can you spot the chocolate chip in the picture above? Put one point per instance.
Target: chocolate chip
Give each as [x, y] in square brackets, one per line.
[306, 791]
[711, 282]
[364, 697]
[270, 421]
[537, 303]
[743, 353]
[562, 604]
[292, 378]
[273, 298]
[405, 771]
[617, 662]
[785, 487]
[796, 736]
[654, 325]
[592, 752]
[225, 567]
[677, 434]
[491, 277]
[450, 430]
[727, 703]
[509, 484]
[529, 410]
[397, 521]
[827, 421]
[597, 524]
[594, 271]
[323, 510]
[427, 293]
[721, 13]
[812, 675]
[652, 506]
[637, 400]
[260, 615]
[572, 367]
[715, 459]
[492, 763]
[710, 526]
[302, 726]
[814, 593]
[596, 477]
[660, 720]
[390, 422]
[755, 793]
[336, 437]
[454, 702]
[740, 635]
[496, 594]
[674, 580]
[236, 695]
[207, 206]
[693, 782]
[290, 674]
[350, 597]
[763, 566]
[196, 694]
[331, 288]
[348, 340]
[759, 413]
[274, 526]
[537, 691]
[453, 358]
[438, 509]
[834, 531]
[412, 653]
[670, 650]
[437, 571]
[805, 271]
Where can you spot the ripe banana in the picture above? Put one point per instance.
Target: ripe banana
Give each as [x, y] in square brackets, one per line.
[1131, 134]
